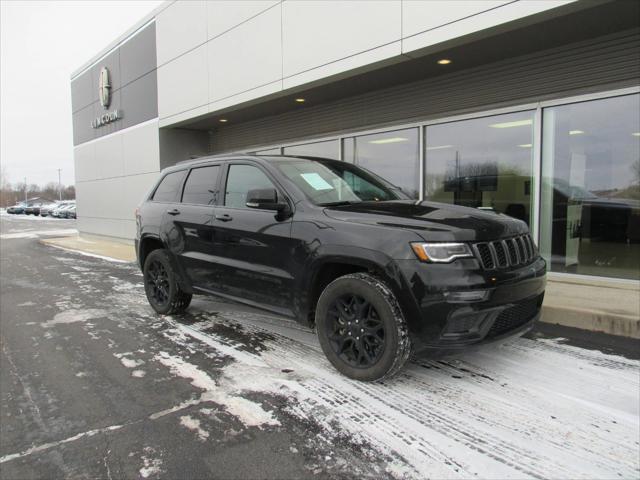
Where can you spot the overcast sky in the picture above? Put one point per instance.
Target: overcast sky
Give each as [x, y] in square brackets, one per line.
[42, 43]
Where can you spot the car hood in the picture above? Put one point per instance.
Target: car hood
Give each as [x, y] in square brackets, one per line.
[432, 221]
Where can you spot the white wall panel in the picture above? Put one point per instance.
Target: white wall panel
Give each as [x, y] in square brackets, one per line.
[141, 149]
[319, 32]
[179, 28]
[491, 18]
[380, 54]
[125, 229]
[246, 57]
[223, 15]
[421, 16]
[85, 162]
[109, 156]
[183, 83]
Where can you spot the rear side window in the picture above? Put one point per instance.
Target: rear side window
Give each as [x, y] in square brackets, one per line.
[240, 180]
[200, 187]
[167, 191]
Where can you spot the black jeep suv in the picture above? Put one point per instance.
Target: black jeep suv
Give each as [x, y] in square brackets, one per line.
[340, 249]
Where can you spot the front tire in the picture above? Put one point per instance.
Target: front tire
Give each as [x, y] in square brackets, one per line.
[361, 328]
[161, 286]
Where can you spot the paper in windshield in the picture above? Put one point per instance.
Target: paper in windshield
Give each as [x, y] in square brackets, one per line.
[316, 181]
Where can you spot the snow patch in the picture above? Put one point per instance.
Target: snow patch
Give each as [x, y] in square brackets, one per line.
[38, 233]
[130, 363]
[151, 465]
[26, 304]
[73, 316]
[226, 393]
[138, 373]
[194, 424]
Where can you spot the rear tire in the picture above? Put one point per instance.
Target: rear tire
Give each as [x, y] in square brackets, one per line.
[161, 286]
[361, 328]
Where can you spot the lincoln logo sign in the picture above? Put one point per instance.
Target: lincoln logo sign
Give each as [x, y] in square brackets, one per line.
[104, 93]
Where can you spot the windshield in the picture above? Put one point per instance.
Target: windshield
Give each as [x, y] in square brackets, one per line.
[329, 183]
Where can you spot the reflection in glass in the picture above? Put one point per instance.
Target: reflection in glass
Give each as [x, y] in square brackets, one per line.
[484, 162]
[326, 149]
[392, 155]
[590, 197]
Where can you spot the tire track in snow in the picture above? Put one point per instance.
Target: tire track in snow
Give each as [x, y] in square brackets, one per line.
[488, 414]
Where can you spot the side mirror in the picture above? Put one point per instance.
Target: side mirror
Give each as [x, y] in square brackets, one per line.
[265, 199]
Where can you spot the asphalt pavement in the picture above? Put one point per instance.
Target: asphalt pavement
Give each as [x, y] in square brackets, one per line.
[94, 384]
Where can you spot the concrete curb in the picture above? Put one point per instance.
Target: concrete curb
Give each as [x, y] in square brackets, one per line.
[597, 321]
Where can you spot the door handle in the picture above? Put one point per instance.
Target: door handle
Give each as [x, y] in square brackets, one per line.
[224, 218]
[175, 211]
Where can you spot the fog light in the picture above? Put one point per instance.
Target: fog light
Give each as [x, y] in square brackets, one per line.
[467, 296]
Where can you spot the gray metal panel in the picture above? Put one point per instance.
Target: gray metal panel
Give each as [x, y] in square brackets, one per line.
[134, 88]
[82, 131]
[140, 100]
[82, 91]
[138, 55]
[597, 64]
[116, 103]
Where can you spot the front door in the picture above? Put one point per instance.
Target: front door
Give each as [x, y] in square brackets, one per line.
[191, 225]
[253, 247]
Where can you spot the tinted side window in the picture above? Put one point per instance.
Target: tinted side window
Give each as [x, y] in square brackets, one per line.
[167, 191]
[240, 180]
[200, 187]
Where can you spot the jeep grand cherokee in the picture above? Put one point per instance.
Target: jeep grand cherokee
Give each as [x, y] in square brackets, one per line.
[379, 276]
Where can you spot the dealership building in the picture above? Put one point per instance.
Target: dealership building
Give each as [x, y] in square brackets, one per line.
[529, 107]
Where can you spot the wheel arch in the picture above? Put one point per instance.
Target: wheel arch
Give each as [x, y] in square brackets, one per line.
[327, 267]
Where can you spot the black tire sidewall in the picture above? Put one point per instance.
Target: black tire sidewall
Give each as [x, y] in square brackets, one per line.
[365, 288]
[162, 257]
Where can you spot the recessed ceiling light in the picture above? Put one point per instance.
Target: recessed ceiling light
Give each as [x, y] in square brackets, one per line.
[444, 61]
[516, 123]
[525, 145]
[389, 140]
[223, 120]
[575, 132]
[300, 100]
[636, 134]
[439, 147]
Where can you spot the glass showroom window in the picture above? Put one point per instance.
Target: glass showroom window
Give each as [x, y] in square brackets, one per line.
[483, 162]
[326, 149]
[590, 192]
[394, 156]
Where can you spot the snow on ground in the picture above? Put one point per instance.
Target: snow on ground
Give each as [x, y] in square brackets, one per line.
[38, 233]
[527, 409]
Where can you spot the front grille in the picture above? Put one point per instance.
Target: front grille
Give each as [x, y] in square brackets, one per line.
[509, 252]
[516, 316]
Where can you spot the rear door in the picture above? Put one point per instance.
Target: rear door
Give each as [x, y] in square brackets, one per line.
[191, 220]
[253, 247]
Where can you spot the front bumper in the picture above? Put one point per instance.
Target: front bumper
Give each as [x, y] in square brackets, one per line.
[453, 307]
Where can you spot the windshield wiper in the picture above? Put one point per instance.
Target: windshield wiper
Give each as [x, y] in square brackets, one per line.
[340, 203]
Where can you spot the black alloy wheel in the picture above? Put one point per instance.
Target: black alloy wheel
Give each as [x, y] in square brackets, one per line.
[357, 334]
[161, 286]
[158, 280]
[361, 327]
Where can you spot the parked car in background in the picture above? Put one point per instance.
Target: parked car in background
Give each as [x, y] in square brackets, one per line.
[58, 211]
[33, 208]
[47, 208]
[70, 212]
[16, 209]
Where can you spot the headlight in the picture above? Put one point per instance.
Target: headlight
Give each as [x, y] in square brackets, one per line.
[441, 252]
